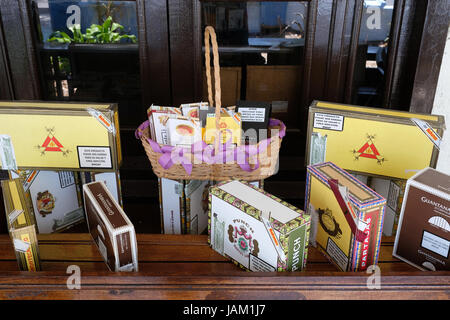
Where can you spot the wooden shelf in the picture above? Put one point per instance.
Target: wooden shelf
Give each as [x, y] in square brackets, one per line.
[185, 267]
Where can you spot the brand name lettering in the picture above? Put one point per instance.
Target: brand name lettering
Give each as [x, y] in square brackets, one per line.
[29, 256]
[295, 257]
[365, 248]
[106, 203]
[434, 203]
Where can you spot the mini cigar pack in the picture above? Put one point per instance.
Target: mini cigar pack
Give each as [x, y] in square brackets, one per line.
[183, 132]
[230, 128]
[110, 228]
[59, 136]
[55, 198]
[196, 205]
[21, 225]
[393, 191]
[373, 141]
[171, 204]
[347, 217]
[256, 230]
[26, 248]
[110, 179]
[158, 124]
[423, 235]
[255, 117]
[192, 110]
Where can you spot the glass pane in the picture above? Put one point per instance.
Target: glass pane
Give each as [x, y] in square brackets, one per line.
[372, 53]
[261, 47]
[88, 51]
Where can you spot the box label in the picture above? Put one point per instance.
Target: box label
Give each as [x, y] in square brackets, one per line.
[256, 264]
[337, 254]
[328, 121]
[296, 249]
[94, 157]
[252, 114]
[436, 244]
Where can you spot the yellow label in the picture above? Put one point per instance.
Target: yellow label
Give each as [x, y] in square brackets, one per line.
[31, 265]
[330, 216]
[377, 111]
[230, 130]
[377, 147]
[50, 141]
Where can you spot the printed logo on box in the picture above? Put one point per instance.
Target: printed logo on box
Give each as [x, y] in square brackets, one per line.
[240, 234]
[369, 151]
[52, 144]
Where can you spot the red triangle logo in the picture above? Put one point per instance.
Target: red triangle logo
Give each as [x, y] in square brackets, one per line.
[52, 144]
[368, 151]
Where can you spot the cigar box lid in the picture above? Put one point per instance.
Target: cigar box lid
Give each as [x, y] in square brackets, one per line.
[56, 105]
[360, 194]
[262, 201]
[437, 121]
[111, 211]
[434, 179]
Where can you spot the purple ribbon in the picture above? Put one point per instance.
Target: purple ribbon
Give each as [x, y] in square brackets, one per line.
[206, 153]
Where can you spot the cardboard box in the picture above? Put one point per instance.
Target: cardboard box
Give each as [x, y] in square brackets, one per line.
[21, 225]
[423, 235]
[372, 141]
[59, 136]
[110, 228]
[393, 191]
[171, 204]
[347, 217]
[55, 198]
[230, 85]
[110, 179]
[256, 230]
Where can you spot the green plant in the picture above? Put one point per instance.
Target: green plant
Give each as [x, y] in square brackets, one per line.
[108, 32]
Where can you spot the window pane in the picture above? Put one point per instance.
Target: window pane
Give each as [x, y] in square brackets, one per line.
[372, 53]
[88, 51]
[261, 47]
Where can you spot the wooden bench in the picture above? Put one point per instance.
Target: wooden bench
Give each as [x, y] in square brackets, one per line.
[185, 267]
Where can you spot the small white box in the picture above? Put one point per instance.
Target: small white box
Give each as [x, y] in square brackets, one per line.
[171, 193]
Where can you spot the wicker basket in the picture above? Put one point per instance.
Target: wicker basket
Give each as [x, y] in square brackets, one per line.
[217, 163]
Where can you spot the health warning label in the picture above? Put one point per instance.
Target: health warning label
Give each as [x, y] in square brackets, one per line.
[94, 157]
[328, 121]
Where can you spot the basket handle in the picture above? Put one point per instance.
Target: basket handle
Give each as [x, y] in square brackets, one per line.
[210, 33]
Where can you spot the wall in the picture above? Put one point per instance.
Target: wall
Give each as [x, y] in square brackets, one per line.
[442, 106]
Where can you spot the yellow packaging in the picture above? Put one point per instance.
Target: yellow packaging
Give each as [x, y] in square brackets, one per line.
[21, 225]
[59, 136]
[372, 141]
[230, 128]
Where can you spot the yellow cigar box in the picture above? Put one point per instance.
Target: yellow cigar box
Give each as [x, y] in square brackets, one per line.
[377, 142]
[59, 136]
[21, 225]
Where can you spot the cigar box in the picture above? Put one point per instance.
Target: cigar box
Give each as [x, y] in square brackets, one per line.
[110, 179]
[21, 225]
[171, 204]
[193, 109]
[373, 141]
[18, 207]
[423, 235]
[196, 205]
[158, 122]
[347, 217]
[112, 231]
[26, 248]
[230, 128]
[184, 132]
[59, 136]
[256, 230]
[55, 198]
[393, 191]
